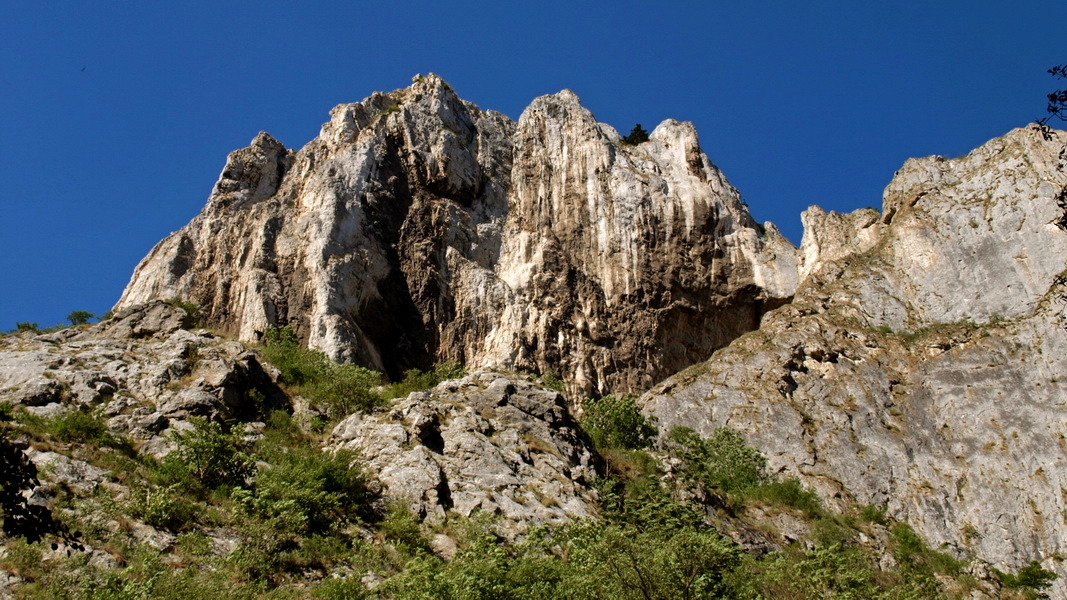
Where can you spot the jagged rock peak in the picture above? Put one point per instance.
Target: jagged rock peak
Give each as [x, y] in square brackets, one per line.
[418, 228]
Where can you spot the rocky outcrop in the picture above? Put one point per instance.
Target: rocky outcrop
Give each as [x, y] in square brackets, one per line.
[485, 444]
[921, 365]
[142, 371]
[418, 228]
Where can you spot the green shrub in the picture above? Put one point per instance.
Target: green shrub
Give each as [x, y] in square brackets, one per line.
[165, 507]
[721, 462]
[1032, 579]
[824, 572]
[306, 491]
[615, 422]
[209, 455]
[402, 529]
[913, 553]
[552, 381]
[584, 560]
[78, 426]
[21, 326]
[80, 317]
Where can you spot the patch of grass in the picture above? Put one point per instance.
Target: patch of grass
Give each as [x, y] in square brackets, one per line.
[910, 550]
[80, 427]
[417, 381]
[552, 381]
[338, 389]
[788, 492]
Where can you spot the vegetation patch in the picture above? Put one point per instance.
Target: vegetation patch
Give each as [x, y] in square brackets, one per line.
[338, 389]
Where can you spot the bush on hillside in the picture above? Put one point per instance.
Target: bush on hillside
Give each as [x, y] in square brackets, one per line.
[616, 423]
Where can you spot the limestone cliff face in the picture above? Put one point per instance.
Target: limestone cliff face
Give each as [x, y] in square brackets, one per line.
[922, 365]
[419, 228]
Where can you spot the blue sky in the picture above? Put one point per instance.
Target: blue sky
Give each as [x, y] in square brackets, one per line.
[116, 117]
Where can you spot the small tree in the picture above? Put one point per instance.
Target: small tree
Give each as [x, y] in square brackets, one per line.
[1057, 101]
[637, 135]
[722, 461]
[80, 317]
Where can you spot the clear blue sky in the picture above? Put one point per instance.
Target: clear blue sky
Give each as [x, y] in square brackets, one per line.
[116, 117]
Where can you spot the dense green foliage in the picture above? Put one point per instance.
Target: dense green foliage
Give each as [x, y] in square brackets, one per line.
[307, 492]
[721, 462]
[1032, 579]
[616, 423]
[209, 455]
[636, 136]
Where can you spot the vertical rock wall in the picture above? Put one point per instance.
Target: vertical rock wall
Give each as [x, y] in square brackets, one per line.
[418, 228]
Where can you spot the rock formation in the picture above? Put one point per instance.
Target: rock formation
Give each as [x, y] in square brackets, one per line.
[143, 370]
[921, 364]
[418, 228]
[487, 443]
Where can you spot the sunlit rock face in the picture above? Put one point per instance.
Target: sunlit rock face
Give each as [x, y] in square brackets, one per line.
[922, 365]
[419, 228]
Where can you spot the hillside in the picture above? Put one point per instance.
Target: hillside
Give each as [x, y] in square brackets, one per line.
[402, 362]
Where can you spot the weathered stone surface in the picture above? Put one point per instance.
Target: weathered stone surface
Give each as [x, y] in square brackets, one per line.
[59, 470]
[487, 443]
[921, 365]
[141, 371]
[418, 228]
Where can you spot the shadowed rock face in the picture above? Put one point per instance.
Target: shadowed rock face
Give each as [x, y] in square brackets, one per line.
[921, 365]
[418, 228]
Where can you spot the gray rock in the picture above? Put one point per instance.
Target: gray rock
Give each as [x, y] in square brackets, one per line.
[58, 470]
[143, 384]
[38, 393]
[955, 424]
[487, 443]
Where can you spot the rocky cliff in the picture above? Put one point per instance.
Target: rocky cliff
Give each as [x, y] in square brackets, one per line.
[921, 365]
[418, 228]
